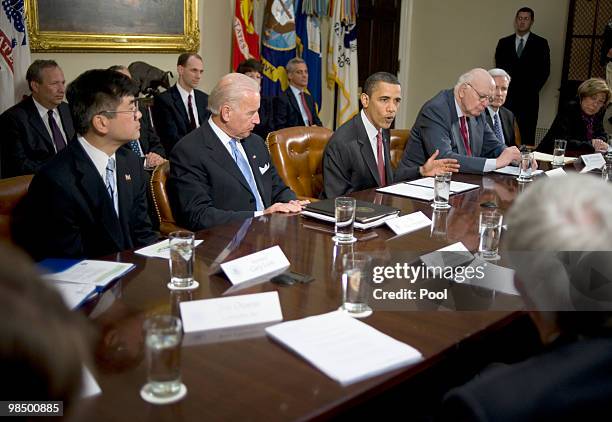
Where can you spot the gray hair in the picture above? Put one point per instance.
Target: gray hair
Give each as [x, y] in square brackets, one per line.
[499, 72]
[555, 229]
[292, 64]
[230, 89]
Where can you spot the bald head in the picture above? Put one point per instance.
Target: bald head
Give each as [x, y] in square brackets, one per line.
[230, 89]
[473, 91]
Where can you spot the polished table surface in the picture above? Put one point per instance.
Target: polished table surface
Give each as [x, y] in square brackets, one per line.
[256, 378]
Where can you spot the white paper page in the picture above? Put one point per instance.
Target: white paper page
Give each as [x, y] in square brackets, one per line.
[358, 225]
[556, 172]
[160, 249]
[514, 171]
[97, 273]
[410, 191]
[90, 387]
[455, 187]
[409, 223]
[73, 293]
[540, 156]
[233, 311]
[345, 349]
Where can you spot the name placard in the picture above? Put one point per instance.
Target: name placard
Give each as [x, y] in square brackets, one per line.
[592, 162]
[256, 267]
[408, 223]
[556, 172]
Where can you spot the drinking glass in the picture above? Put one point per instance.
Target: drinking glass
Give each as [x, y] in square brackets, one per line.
[490, 227]
[345, 219]
[356, 283]
[442, 183]
[559, 152]
[181, 259]
[525, 175]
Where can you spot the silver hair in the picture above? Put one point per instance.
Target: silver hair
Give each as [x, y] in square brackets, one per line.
[230, 89]
[292, 64]
[499, 72]
[554, 230]
[467, 77]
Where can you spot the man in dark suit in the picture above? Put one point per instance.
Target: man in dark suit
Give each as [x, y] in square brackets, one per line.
[569, 298]
[357, 156]
[90, 199]
[526, 57]
[453, 123]
[500, 119]
[296, 107]
[35, 129]
[148, 147]
[182, 108]
[221, 171]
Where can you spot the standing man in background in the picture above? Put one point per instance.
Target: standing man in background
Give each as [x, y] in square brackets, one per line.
[526, 57]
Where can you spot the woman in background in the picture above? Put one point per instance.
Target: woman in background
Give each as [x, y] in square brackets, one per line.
[253, 69]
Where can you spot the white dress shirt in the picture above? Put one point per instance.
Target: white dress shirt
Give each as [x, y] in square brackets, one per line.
[517, 40]
[297, 94]
[43, 112]
[100, 161]
[372, 135]
[185, 97]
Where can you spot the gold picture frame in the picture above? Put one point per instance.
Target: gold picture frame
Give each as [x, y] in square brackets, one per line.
[63, 25]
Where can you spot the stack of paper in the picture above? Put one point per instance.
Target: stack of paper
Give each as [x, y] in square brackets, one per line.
[423, 189]
[514, 171]
[540, 156]
[160, 249]
[343, 348]
[357, 224]
[455, 187]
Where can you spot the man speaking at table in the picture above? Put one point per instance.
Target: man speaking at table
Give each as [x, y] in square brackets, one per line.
[357, 156]
[453, 123]
[221, 171]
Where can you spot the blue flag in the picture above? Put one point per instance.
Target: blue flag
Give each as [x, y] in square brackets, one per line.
[308, 31]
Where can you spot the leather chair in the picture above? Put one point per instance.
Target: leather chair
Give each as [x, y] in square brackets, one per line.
[399, 139]
[297, 154]
[167, 224]
[12, 191]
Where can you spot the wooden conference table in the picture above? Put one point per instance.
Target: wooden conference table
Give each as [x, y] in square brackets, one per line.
[256, 378]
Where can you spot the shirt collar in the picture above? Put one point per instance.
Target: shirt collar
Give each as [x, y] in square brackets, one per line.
[524, 37]
[184, 93]
[492, 112]
[459, 112]
[223, 137]
[42, 110]
[369, 127]
[98, 157]
[296, 91]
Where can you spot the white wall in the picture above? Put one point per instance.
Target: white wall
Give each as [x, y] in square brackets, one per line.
[446, 38]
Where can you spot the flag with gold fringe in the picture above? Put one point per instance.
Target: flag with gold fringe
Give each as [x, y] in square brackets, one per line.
[278, 45]
[245, 38]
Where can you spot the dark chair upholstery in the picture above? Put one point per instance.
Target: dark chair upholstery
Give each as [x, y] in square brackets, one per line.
[297, 153]
[167, 224]
[12, 191]
[399, 139]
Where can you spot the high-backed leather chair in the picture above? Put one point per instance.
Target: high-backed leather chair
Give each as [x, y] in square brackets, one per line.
[399, 139]
[167, 224]
[297, 154]
[12, 190]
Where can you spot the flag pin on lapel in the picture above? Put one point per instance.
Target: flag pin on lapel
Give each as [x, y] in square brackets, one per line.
[128, 177]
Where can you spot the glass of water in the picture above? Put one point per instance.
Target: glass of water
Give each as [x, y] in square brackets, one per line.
[163, 335]
[345, 219]
[442, 183]
[525, 175]
[559, 152]
[490, 227]
[356, 283]
[181, 259]
[606, 172]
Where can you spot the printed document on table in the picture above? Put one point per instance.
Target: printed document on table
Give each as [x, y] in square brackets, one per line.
[343, 348]
[514, 171]
[358, 225]
[455, 187]
[96, 273]
[160, 249]
[540, 156]
[410, 191]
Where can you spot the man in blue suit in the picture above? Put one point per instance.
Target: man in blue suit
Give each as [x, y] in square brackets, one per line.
[183, 107]
[453, 122]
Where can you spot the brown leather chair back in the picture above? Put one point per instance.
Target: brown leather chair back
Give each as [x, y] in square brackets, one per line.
[297, 154]
[517, 135]
[12, 190]
[399, 139]
[167, 224]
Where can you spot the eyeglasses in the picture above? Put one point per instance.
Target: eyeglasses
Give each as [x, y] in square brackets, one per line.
[482, 98]
[134, 111]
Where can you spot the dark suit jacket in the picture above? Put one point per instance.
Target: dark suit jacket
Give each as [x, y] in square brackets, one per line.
[437, 127]
[26, 144]
[149, 141]
[206, 187]
[68, 213]
[568, 125]
[530, 71]
[349, 163]
[572, 382]
[287, 111]
[507, 120]
[607, 44]
[171, 118]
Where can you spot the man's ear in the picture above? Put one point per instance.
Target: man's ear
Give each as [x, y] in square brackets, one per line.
[225, 112]
[100, 123]
[365, 100]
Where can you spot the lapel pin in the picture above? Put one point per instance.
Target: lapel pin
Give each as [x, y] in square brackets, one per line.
[254, 157]
[128, 177]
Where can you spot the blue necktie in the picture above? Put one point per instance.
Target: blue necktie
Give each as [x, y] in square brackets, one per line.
[111, 186]
[497, 128]
[135, 146]
[246, 172]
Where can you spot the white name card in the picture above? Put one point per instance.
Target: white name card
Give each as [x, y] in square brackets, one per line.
[256, 267]
[230, 312]
[408, 223]
[556, 172]
[592, 162]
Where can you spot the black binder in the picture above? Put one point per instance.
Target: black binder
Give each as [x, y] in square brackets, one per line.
[365, 212]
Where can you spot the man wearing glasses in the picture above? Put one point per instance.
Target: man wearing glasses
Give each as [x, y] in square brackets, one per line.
[90, 199]
[453, 123]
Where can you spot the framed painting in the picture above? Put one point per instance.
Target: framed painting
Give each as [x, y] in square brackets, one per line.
[111, 25]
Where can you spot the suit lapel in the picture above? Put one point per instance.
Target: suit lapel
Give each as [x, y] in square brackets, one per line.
[475, 135]
[251, 153]
[179, 105]
[200, 106]
[507, 127]
[125, 190]
[67, 124]
[455, 134]
[37, 123]
[94, 191]
[366, 148]
[387, 151]
[294, 104]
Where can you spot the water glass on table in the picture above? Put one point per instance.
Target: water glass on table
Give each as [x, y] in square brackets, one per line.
[559, 152]
[163, 335]
[345, 219]
[525, 170]
[489, 227]
[181, 259]
[442, 182]
[356, 284]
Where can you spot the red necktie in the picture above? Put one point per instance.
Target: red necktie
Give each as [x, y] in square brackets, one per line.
[306, 109]
[192, 121]
[464, 135]
[381, 159]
